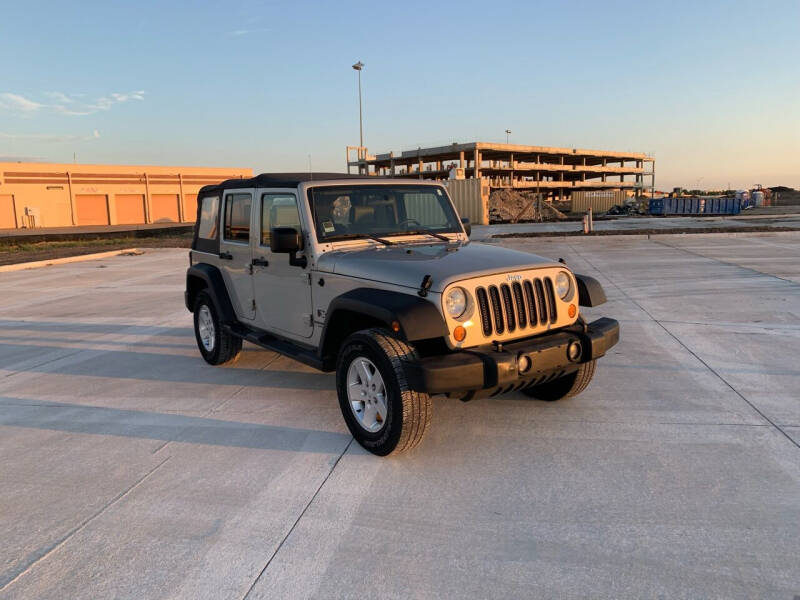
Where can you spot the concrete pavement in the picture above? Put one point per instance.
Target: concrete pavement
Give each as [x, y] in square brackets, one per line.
[132, 469]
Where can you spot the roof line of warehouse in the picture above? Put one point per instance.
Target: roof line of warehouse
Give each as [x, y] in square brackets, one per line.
[4, 165]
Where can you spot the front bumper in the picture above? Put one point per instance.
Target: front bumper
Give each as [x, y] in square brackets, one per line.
[492, 370]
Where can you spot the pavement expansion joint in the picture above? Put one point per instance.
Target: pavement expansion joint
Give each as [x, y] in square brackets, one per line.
[724, 262]
[689, 350]
[300, 516]
[23, 569]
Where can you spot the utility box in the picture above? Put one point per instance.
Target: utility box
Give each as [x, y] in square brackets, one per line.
[32, 217]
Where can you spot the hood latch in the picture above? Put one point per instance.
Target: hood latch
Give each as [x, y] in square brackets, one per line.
[427, 281]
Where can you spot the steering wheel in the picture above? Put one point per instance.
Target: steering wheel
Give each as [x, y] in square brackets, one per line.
[404, 221]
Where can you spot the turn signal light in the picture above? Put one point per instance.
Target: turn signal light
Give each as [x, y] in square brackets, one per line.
[571, 311]
[460, 333]
[396, 326]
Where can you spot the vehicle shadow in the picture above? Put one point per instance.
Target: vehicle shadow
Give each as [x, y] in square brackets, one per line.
[96, 328]
[153, 366]
[167, 427]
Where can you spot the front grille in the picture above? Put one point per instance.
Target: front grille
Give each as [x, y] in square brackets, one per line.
[521, 305]
[483, 307]
[519, 300]
[497, 311]
[508, 306]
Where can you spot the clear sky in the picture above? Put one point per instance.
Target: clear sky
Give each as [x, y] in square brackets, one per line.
[712, 89]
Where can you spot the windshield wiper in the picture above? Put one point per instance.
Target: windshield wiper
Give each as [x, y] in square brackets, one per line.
[425, 231]
[359, 236]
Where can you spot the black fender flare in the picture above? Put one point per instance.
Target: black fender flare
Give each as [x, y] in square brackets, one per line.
[418, 318]
[214, 286]
[590, 292]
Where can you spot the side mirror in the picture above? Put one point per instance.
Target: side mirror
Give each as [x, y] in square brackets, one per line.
[467, 226]
[285, 240]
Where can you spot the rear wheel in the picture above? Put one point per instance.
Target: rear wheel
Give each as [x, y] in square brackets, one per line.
[384, 415]
[216, 345]
[563, 387]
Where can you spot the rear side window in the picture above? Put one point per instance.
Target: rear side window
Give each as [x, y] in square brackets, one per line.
[237, 217]
[209, 218]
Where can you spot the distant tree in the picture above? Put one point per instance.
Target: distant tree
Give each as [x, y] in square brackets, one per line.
[781, 188]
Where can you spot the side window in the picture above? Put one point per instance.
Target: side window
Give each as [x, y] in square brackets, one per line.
[209, 218]
[237, 217]
[278, 210]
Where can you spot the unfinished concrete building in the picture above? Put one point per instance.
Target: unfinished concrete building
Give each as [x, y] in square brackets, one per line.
[555, 172]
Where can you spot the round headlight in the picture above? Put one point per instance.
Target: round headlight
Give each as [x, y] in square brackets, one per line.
[562, 285]
[455, 302]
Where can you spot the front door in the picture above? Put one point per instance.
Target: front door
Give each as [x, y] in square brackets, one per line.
[235, 253]
[282, 291]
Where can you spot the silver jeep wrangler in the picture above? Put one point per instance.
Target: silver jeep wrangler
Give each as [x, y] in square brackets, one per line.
[377, 280]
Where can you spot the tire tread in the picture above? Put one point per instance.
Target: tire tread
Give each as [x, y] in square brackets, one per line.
[416, 405]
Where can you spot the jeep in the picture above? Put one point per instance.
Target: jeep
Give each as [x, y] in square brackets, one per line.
[377, 280]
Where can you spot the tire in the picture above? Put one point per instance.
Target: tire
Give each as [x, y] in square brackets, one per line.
[407, 414]
[563, 387]
[217, 346]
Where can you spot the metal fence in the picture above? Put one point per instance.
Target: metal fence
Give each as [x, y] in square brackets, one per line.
[471, 199]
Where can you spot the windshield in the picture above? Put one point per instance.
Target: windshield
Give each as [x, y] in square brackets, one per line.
[347, 212]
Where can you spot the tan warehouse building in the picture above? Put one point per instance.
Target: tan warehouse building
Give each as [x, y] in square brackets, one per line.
[64, 195]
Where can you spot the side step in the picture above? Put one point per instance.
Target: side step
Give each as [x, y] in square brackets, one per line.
[270, 342]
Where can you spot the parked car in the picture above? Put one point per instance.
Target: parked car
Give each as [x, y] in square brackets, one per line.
[377, 280]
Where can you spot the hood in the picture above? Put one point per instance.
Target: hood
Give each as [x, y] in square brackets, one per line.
[407, 264]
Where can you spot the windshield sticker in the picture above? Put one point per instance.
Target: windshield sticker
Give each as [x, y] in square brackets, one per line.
[328, 226]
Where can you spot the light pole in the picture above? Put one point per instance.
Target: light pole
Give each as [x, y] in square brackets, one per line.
[358, 66]
[508, 133]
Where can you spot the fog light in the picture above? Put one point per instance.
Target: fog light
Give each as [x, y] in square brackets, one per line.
[574, 351]
[459, 333]
[524, 363]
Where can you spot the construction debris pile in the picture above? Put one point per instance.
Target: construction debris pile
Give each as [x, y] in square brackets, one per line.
[632, 206]
[509, 206]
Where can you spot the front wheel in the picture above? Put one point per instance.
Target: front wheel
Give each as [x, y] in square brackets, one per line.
[563, 387]
[381, 411]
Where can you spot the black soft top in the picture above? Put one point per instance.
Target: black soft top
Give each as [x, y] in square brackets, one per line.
[277, 180]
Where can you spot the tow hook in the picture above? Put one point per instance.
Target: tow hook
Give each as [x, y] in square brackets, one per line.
[582, 322]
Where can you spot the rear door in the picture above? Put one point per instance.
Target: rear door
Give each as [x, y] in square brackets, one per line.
[282, 291]
[235, 251]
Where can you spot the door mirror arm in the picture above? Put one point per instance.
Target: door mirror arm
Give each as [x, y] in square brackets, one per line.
[298, 261]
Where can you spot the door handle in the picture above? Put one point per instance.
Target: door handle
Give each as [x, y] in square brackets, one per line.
[260, 262]
[226, 255]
